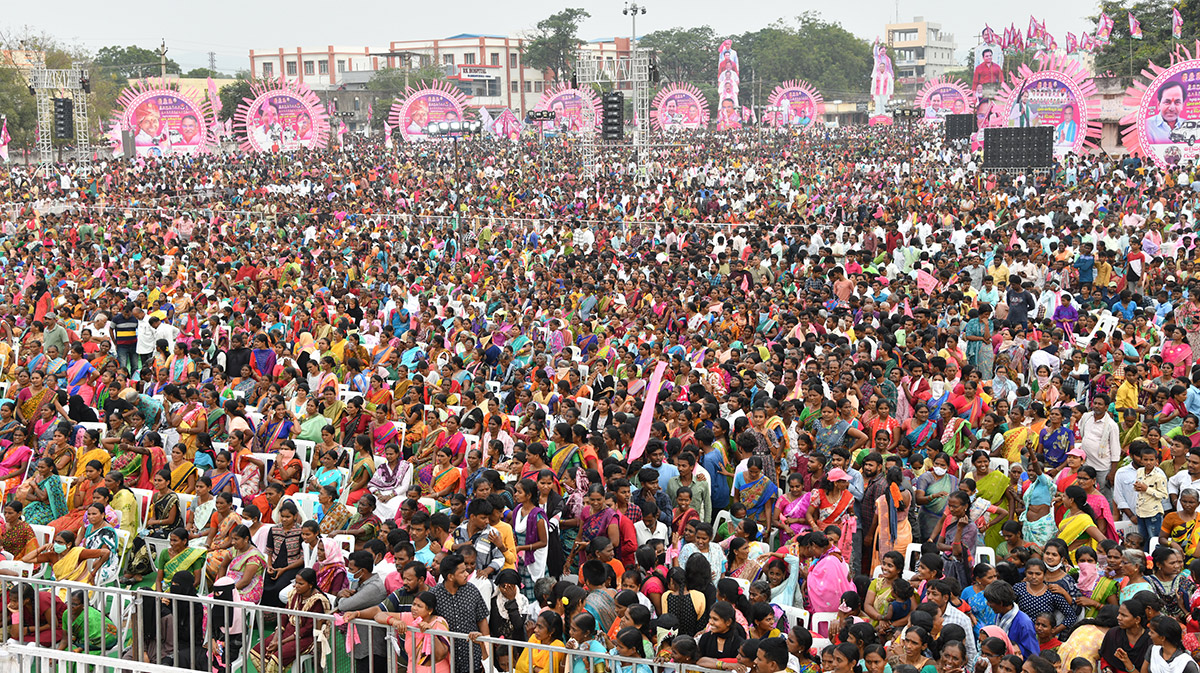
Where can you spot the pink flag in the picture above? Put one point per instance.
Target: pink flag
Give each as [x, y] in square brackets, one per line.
[1034, 30]
[213, 96]
[989, 35]
[1135, 27]
[907, 308]
[1072, 43]
[926, 282]
[1018, 41]
[646, 421]
[1104, 27]
[746, 283]
[370, 113]
[1176, 24]
[5, 139]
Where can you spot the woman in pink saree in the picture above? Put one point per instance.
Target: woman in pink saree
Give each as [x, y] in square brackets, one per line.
[1177, 351]
[791, 515]
[828, 578]
[833, 505]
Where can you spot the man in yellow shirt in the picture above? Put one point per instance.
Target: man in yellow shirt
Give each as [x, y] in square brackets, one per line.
[508, 541]
[1104, 275]
[999, 270]
[1127, 394]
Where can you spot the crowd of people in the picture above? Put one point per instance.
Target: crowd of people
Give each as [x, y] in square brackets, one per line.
[839, 401]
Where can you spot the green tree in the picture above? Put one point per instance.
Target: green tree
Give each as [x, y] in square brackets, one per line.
[383, 107]
[552, 43]
[205, 72]
[232, 95]
[825, 54]
[684, 54]
[1156, 44]
[394, 80]
[133, 62]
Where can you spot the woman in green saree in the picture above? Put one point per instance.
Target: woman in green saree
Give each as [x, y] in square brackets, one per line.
[178, 557]
[931, 491]
[995, 487]
[87, 629]
[44, 499]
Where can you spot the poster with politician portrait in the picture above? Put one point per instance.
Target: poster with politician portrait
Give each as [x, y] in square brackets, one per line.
[1167, 125]
[796, 104]
[281, 116]
[415, 113]
[1061, 95]
[280, 121]
[164, 122]
[989, 66]
[940, 97]
[575, 110]
[679, 106]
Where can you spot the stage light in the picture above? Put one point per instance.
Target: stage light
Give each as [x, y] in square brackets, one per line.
[455, 126]
[444, 126]
[432, 130]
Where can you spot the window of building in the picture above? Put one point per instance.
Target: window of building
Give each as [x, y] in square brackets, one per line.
[268, 69]
[291, 68]
[448, 59]
[323, 67]
[493, 87]
[341, 65]
[356, 104]
[528, 87]
[512, 60]
[494, 58]
[515, 86]
[469, 58]
[309, 68]
[537, 86]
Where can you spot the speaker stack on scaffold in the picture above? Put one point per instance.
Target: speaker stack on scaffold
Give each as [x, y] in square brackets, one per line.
[959, 126]
[1018, 148]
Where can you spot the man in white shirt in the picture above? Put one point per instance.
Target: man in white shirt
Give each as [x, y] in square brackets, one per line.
[146, 336]
[650, 528]
[1100, 440]
[1185, 479]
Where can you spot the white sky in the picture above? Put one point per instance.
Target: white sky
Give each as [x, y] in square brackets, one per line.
[231, 29]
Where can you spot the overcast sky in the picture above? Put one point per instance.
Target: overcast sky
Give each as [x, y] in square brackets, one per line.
[231, 28]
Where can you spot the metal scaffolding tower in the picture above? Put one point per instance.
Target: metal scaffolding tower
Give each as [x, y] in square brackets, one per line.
[633, 69]
[49, 83]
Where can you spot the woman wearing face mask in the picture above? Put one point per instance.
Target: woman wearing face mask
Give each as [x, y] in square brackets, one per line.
[931, 492]
[68, 561]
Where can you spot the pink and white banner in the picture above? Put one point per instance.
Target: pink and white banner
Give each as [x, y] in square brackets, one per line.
[728, 86]
[679, 106]
[281, 117]
[5, 139]
[164, 121]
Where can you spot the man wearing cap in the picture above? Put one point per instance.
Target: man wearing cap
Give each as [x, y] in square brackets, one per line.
[55, 334]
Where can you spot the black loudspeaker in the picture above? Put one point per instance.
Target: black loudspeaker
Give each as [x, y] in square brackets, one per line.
[128, 148]
[1020, 148]
[959, 126]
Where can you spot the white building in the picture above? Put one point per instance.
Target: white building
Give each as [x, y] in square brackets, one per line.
[488, 68]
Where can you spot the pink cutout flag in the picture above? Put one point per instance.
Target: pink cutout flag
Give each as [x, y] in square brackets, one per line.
[642, 436]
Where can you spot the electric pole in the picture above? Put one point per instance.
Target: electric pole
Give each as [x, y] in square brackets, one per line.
[212, 61]
[162, 60]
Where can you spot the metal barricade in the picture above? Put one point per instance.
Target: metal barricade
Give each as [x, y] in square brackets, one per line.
[141, 630]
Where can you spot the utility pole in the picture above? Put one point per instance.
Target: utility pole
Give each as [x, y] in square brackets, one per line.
[162, 60]
[212, 61]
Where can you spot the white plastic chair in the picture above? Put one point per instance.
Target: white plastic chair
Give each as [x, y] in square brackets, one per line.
[998, 464]
[145, 497]
[43, 534]
[306, 503]
[304, 450]
[912, 555]
[722, 517]
[988, 555]
[346, 542]
[821, 622]
[95, 426]
[795, 616]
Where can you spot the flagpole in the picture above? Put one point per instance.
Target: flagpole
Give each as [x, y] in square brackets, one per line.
[1131, 53]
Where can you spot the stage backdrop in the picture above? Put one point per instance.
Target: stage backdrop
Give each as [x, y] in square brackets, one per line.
[940, 97]
[1059, 94]
[679, 106]
[1165, 127]
[281, 116]
[803, 106]
[427, 104]
[165, 122]
[577, 110]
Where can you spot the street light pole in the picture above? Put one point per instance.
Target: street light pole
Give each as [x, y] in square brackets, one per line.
[632, 9]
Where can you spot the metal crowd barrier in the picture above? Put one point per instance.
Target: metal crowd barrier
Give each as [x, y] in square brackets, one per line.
[124, 646]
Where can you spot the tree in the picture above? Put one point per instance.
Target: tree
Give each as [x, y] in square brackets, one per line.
[552, 43]
[133, 62]
[684, 54]
[1156, 44]
[232, 95]
[825, 54]
[383, 108]
[395, 80]
[200, 73]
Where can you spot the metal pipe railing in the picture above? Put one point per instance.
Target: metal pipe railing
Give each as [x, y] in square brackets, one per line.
[236, 646]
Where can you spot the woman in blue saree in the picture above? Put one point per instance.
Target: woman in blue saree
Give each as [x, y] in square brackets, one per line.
[978, 333]
[757, 492]
[919, 430]
[43, 494]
